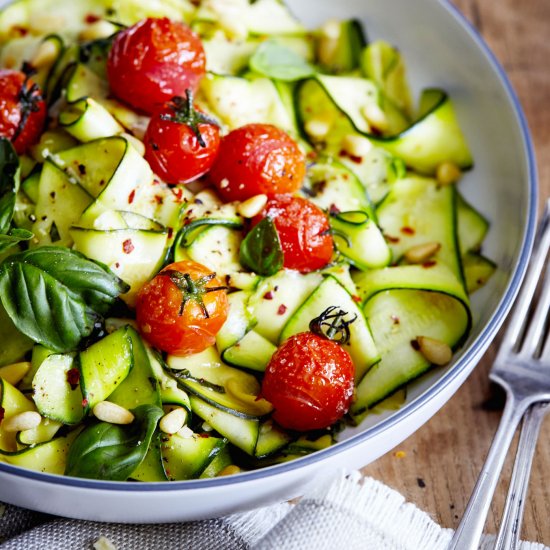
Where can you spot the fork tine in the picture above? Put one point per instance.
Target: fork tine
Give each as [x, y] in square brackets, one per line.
[538, 260]
[537, 325]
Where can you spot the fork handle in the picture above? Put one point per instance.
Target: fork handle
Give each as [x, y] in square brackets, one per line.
[468, 533]
[510, 527]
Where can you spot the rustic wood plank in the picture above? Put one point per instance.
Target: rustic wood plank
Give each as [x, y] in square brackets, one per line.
[442, 460]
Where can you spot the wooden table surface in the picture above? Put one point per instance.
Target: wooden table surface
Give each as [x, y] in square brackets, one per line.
[442, 460]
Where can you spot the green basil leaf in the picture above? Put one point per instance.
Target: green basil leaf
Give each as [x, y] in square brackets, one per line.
[9, 182]
[276, 61]
[13, 237]
[54, 295]
[261, 249]
[110, 451]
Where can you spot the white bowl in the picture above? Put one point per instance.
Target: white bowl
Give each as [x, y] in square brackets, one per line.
[441, 49]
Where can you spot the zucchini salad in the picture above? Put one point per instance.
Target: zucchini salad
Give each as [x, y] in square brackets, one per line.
[223, 237]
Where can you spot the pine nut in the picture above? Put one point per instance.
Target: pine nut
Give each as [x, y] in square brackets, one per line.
[256, 405]
[103, 544]
[447, 173]
[186, 432]
[318, 128]
[112, 413]
[15, 372]
[356, 146]
[422, 252]
[45, 55]
[173, 421]
[97, 30]
[435, 351]
[137, 144]
[23, 421]
[375, 116]
[229, 470]
[252, 206]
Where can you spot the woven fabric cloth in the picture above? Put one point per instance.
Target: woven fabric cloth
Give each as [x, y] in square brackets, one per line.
[342, 514]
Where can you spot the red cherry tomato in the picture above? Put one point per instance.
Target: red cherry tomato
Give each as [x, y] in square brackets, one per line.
[153, 61]
[303, 230]
[257, 158]
[22, 109]
[181, 143]
[309, 382]
[182, 308]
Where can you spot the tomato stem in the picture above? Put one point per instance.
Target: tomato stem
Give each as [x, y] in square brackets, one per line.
[28, 97]
[332, 325]
[185, 113]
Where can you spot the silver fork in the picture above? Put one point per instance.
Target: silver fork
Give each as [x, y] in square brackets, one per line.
[522, 368]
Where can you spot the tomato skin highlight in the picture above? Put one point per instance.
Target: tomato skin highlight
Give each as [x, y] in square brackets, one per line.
[304, 232]
[256, 159]
[153, 61]
[11, 84]
[158, 310]
[173, 151]
[309, 381]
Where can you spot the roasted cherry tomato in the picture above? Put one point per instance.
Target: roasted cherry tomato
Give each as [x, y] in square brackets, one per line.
[153, 61]
[181, 142]
[182, 308]
[304, 232]
[257, 158]
[22, 109]
[309, 382]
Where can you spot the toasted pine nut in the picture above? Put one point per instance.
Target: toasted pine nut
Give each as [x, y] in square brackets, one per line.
[23, 421]
[447, 173]
[229, 470]
[112, 413]
[256, 405]
[137, 144]
[186, 432]
[15, 372]
[45, 55]
[357, 146]
[252, 206]
[318, 128]
[375, 116]
[173, 421]
[99, 29]
[435, 351]
[422, 252]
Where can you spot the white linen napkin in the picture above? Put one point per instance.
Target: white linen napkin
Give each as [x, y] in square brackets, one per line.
[345, 512]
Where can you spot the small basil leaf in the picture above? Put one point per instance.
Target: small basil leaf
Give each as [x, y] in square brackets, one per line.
[261, 249]
[113, 452]
[54, 295]
[9, 183]
[13, 237]
[276, 61]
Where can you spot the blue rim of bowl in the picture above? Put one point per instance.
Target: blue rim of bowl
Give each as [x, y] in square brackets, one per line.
[476, 349]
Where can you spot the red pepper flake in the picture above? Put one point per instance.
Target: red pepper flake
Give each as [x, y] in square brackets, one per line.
[73, 378]
[156, 182]
[392, 239]
[415, 345]
[159, 199]
[429, 263]
[356, 299]
[84, 402]
[333, 210]
[170, 232]
[354, 158]
[204, 436]
[395, 319]
[268, 295]
[132, 196]
[2, 412]
[406, 230]
[177, 192]
[127, 246]
[312, 155]
[117, 265]
[91, 18]
[21, 31]
[282, 309]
